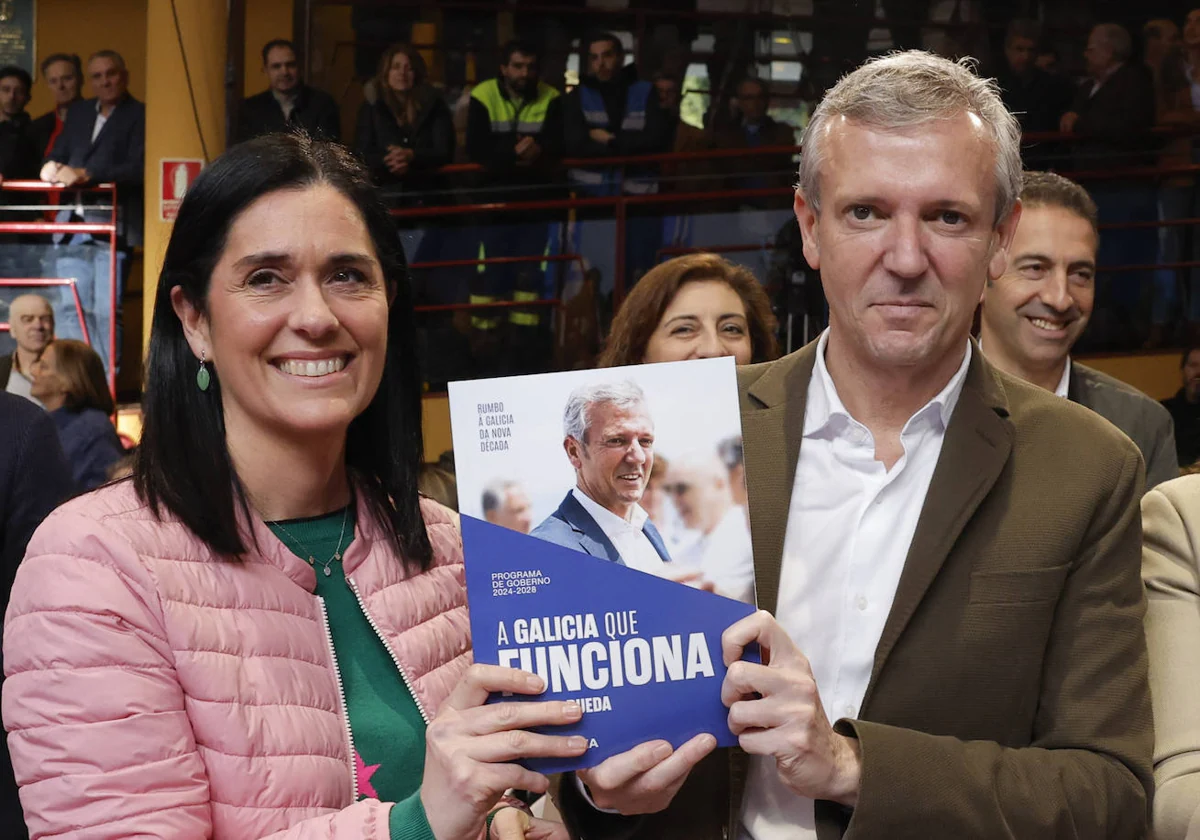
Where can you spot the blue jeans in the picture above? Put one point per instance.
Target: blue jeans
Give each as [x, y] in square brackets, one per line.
[87, 261]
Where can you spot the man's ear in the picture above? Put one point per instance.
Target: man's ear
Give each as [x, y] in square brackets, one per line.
[1002, 239]
[572, 448]
[806, 218]
[195, 324]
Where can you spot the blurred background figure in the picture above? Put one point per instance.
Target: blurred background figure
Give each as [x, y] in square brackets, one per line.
[731, 455]
[697, 306]
[661, 509]
[408, 132]
[69, 381]
[1185, 409]
[507, 505]
[63, 74]
[1163, 56]
[700, 488]
[287, 103]
[437, 483]
[31, 322]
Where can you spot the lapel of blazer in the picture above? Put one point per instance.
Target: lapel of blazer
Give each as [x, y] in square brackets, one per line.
[591, 536]
[656, 540]
[118, 113]
[975, 449]
[772, 428]
[1076, 385]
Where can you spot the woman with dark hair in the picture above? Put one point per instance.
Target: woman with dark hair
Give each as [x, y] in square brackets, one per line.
[265, 632]
[408, 131]
[68, 379]
[693, 307]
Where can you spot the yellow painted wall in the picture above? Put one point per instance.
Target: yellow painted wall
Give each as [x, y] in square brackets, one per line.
[85, 26]
[266, 20]
[1157, 374]
[331, 62]
[171, 126]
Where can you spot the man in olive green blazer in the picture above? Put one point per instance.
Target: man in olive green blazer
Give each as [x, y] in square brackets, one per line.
[950, 555]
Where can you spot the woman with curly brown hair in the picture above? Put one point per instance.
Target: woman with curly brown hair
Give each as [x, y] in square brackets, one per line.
[693, 307]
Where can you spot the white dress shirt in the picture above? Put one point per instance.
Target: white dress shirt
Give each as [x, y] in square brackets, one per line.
[1064, 382]
[850, 524]
[627, 537]
[725, 556]
[101, 119]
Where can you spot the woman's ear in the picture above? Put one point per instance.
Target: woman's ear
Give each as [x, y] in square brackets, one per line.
[195, 324]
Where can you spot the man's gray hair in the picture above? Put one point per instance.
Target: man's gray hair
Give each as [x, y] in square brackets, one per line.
[116, 57]
[1118, 39]
[576, 417]
[907, 89]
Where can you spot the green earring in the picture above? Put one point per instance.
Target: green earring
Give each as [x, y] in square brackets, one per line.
[202, 376]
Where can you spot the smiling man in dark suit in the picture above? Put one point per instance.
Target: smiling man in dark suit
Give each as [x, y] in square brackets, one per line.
[103, 140]
[609, 439]
[947, 558]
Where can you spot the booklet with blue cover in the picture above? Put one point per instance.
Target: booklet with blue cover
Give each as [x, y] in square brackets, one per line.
[607, 542]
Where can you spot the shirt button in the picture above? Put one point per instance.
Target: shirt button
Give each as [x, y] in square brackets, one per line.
[848, 711]
[861, 603]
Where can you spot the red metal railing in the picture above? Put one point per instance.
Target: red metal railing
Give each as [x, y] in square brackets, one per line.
[108, 229]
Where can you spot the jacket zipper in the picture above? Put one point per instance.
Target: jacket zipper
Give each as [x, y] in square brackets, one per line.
[403, 674]
[337, 673]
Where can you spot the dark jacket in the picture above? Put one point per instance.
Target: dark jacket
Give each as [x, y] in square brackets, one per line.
[90, 443]
[758, 171]
[1114, 121]
[654, 137]
[1009, 694]
[495, 151]
[571, 526]
[42, 131]
[1187, 427]
[431, 137]
[117, 155]
[1143, 420]
[1037, 99]
[19, 156]
[34, 480]
[315, 112]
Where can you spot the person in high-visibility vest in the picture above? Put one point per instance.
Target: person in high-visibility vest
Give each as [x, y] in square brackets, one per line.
[613, 113]
[515, 131]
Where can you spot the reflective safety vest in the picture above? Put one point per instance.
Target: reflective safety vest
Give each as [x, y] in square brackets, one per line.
[517, 317]
[524, 117]
[607, 181]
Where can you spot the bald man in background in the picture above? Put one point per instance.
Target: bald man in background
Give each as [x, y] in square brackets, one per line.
[31, 324]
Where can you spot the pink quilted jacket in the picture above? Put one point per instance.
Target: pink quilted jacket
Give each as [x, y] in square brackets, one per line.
[153, 691]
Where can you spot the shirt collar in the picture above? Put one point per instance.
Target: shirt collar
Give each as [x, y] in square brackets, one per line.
[1064, 382]
[824, 404]
[608, 520]
[289, 98]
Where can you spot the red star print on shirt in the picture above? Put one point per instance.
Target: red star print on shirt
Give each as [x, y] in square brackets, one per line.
[364, 772]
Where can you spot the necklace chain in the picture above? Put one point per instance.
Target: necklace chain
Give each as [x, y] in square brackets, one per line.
[337, 554]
